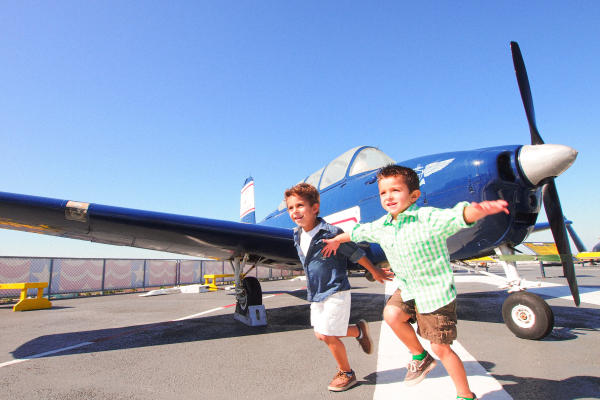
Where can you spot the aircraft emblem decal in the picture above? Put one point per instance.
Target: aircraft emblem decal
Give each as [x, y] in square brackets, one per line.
[431, 168]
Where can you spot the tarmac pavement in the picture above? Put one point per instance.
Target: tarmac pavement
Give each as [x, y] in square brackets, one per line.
[132, 347]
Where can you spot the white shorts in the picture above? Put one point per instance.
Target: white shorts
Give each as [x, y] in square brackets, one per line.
[331, 317]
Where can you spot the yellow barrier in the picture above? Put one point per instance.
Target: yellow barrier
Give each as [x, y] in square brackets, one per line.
[29, 304]
[211, 280]
[589, 256]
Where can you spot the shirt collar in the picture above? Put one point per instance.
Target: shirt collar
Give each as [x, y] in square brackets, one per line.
[411, 211]
[320, 224]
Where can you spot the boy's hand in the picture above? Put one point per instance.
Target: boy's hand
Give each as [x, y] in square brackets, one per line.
[492, 207]
[331, 247]
[382, 274]
[476, 211]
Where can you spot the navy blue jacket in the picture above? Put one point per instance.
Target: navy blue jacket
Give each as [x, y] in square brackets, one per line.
[326, 275]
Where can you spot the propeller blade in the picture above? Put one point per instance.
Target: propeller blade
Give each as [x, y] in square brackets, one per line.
[525, 90]
[559, 232]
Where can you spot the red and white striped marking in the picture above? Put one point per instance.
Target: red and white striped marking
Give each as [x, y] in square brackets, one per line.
[247, 199]
[345, 219]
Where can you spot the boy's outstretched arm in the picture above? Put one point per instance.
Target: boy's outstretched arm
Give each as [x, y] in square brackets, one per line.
[476, 211]
[333, 244]
[379, 274]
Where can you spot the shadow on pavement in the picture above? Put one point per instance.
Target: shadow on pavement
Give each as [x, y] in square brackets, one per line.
[367, 306]
[574, 387]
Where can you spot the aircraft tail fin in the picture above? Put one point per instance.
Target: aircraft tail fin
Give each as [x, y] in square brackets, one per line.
[247, 214]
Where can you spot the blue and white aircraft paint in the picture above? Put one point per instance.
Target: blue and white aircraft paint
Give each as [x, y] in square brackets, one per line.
[521, 174]
[247, 210]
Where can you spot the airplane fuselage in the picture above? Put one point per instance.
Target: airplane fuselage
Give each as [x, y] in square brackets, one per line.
[446, 179]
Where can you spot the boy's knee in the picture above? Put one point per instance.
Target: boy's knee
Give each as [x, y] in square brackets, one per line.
[441, 350]
[392, 314]
[325, 338]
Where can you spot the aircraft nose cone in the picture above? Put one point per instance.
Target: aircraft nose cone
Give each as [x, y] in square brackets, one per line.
[545, 160]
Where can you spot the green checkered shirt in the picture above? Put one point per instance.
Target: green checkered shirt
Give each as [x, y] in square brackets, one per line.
[415, 246]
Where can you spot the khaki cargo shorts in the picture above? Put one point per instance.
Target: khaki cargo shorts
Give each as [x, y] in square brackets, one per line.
[438, 326]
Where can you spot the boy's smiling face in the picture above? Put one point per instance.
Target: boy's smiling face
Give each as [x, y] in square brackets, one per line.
[302, 212]
[395, 196]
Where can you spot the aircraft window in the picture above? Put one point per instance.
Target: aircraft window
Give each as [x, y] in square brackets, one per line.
[369, 159]
[314, 178]
[336, 169]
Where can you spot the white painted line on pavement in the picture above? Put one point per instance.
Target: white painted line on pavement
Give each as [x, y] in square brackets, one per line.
[47, 353]
[212, 310]
[393, 357]
[590, 295]
[586, 294]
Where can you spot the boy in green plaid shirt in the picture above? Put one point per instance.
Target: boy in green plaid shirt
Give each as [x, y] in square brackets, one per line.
[414, 241]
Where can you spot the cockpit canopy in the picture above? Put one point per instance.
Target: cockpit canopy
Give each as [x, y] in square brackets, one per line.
[353, 162]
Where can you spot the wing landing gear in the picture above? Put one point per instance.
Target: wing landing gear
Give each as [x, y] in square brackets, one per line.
[248, 294]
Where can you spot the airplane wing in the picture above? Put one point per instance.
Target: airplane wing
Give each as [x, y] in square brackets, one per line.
[200, 237]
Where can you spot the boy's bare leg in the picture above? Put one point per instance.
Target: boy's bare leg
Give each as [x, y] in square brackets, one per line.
[352, 331]
[455, 368]
[398, 321]
[338, 350]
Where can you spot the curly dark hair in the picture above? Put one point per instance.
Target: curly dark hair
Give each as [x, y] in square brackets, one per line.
[410, 176]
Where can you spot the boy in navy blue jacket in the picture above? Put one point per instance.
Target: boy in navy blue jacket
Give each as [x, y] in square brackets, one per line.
[328, 288]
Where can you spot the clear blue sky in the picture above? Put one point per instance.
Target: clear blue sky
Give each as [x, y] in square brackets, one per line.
[168, 106]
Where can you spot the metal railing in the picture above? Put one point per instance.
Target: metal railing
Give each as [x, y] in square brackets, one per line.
[81, 275]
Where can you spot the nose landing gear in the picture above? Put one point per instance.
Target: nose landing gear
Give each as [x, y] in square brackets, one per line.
[527, 315]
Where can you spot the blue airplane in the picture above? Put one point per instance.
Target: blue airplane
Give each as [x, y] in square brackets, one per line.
[521, 174]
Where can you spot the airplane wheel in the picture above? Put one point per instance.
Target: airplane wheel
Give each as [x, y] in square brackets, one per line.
[251, 294]
[527, 315]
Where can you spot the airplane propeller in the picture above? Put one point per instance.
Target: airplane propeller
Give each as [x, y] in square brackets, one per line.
[550, 194]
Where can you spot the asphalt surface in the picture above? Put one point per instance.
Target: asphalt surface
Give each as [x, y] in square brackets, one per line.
[132, 347]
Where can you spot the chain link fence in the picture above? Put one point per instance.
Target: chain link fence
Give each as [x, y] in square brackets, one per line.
[84, 275]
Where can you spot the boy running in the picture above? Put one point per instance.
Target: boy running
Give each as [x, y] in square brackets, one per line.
[328, 288]
[414, 241]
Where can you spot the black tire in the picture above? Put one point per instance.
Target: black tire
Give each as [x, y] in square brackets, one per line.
[252, 295]
[527, 315]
